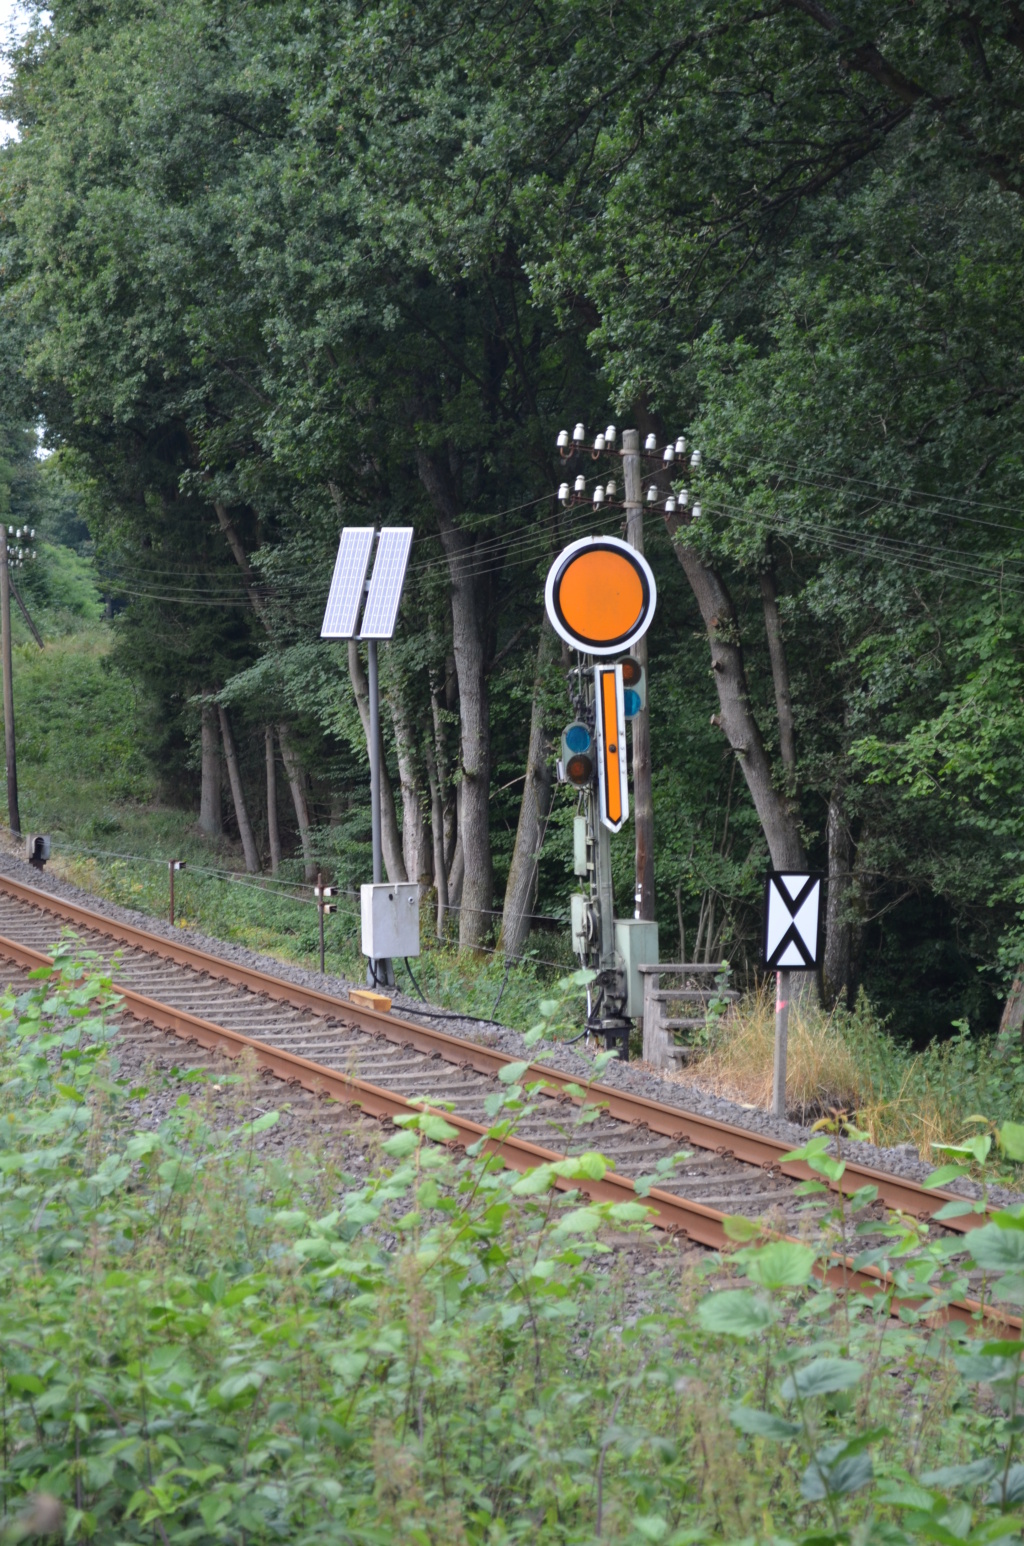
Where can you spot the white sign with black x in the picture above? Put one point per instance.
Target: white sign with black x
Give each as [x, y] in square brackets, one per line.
[792, 921]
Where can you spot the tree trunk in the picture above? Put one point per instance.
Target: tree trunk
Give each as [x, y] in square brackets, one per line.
[837, 968]
[241, 558]
[273, 834]
[437, 836]
[1011, 1022]
[780, 672]
[456, 875]
[211, 822]
[297, 784]
[736, 716]
[447, 788]
[390, 840]
[521, 890]
[468, 600]
[416, 849]
[252, 861]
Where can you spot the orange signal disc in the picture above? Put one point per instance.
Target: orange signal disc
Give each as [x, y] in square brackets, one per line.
[600, 594]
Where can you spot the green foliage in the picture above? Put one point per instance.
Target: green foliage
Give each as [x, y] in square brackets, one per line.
[200, 1342]
[272, 270]
[78, 724]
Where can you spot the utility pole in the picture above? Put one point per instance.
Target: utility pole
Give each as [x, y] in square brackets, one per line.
[5, 646]
[643, 803]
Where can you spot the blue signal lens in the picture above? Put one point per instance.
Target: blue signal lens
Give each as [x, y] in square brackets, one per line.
[577, 738]
[631, 702]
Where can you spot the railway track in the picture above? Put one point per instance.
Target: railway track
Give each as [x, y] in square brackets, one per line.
[382, 1064]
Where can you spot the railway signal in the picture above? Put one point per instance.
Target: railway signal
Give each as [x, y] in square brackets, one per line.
[600, 597]
[324, 907]
[577, 761]
[173, 866]
[376, 602]
[15, 549]
[634, 686]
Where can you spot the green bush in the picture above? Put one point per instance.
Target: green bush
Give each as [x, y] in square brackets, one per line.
[200, 1344]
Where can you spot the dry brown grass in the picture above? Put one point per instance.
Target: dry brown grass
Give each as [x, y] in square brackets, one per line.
[846, 1061]
[822, 1071]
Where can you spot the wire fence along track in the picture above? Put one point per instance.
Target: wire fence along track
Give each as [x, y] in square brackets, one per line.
[384, 1065]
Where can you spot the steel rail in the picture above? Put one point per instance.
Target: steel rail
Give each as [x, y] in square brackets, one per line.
[680, 1216]
[682, 1126]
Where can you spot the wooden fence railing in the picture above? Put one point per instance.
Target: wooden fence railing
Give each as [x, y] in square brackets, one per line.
[696, 987]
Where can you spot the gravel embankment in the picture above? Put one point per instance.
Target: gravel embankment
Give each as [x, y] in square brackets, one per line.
[639, 1079]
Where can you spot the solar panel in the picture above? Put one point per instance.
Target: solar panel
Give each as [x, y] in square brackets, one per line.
[341, 618]
[386, 583]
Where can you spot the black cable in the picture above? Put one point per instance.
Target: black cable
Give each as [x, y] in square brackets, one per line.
[448, 1014]
[504, 980]
[412, 979]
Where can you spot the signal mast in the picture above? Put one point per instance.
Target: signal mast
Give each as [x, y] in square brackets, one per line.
[600, 597]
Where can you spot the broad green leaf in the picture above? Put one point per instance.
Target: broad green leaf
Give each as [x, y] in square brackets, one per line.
[437, 1128]
[536, 1180]
[1011, 1140]
[628, 1212]
[652, 1527]
[944, 1174]
[512, 1073]
[580, 1221]
[954, 1210]
[997, 1249]
[739, 1228]
[401, 1144]
[263, 1123]
[736, 1312]
[836, 1469]
[972, 1474]
[765, 1425]
[1007, 1490]
[780, 1264]
[822, 1377]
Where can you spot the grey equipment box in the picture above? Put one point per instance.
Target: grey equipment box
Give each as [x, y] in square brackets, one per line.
[580, 866]
[578, 907]
[390, 920]
[636, 942]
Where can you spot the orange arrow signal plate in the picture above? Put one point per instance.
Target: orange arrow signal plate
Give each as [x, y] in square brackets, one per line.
[612, 782]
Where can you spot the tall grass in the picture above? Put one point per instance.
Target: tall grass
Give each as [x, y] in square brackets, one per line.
[847, 1060]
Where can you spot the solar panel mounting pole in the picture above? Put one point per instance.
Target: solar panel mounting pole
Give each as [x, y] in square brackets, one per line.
[380, 973]
[374, 750]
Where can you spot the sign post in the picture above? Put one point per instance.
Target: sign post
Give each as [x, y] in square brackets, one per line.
[793, 917]
[173, 866]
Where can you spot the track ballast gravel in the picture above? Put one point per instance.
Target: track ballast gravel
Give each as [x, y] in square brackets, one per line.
[902, 1160]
